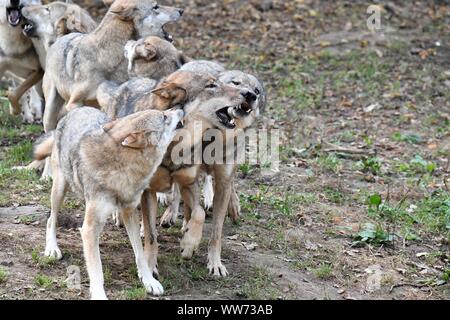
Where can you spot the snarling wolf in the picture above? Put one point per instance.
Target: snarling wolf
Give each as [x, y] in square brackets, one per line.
[46, 23]
[108, 164]
[212, 110]
[17, 54]
[243, 119]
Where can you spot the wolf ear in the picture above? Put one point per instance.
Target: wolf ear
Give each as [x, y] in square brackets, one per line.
[147, 51]
[68, 24]
[123, 10]
[172, 92]
[135, 140]
[61, 27]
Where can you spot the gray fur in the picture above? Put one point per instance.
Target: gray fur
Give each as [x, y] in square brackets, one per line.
[204, 66]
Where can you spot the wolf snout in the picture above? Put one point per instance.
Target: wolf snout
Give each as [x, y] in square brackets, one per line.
[180, 11]
[249, 96]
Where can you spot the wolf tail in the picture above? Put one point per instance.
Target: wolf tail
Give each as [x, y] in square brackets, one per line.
[43, 147]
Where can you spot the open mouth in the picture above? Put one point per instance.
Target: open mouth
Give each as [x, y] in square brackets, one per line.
[242, 110]
[28, 29]
[167, 36]
[14, 15]
[180, 125]
[225, 118]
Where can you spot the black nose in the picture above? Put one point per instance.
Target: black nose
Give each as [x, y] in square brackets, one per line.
[249, 96]
[15, 3]
[181, 11]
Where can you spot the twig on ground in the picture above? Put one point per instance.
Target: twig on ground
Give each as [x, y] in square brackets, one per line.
[335, 148]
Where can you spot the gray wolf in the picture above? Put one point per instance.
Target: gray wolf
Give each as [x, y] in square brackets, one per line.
[211, 110]
[45, 23]
[244, 119]
[109, 164]
[149, 61]
[17, 54]
[82, 62]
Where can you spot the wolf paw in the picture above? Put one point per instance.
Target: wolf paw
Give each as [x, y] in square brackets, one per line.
[191, 240]
[52, 251]
[98, 294]
[153, 286]
[162, 198]
[217, 269]
[168, 219]
[208, 193]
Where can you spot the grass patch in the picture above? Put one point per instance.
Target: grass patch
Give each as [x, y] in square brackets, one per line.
[427, 217]
[324, 271]
[43, 281]
[283, 203]
[3, 275]
[335, 195]
[136, 293]
[330, 163]
[42, 261]
[259, 286]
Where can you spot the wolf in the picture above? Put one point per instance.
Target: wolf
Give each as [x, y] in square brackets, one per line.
[46, 23]
[17, 54]
[210, 110]
[244, 119]
[108, 164]
[78, 63]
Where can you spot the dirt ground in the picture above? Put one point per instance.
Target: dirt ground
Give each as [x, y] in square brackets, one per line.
[360, 208]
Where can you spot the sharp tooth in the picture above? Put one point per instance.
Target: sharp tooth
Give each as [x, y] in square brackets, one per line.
[232, 121]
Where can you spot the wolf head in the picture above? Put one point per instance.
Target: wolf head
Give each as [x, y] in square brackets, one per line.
[152, 57]
[11, 11]
[146, 129]
[56, 19]
[246, 114]
[148, 16]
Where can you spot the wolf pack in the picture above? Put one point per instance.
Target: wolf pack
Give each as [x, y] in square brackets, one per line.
[116, 98]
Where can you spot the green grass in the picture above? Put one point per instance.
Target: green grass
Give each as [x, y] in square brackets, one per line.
[18, 186]
[3, 275]
[324, 271]
[335, 195]
[40, 260]
[20, 154]
[258, 286]
[411, 220]
[43, 281]
[410, 138]
[330, 163]
[283, 203]
[370, 165]
[136, 293]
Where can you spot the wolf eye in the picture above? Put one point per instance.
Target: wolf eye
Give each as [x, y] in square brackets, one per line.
[236, 83]
[257, 91]
[211, 86]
